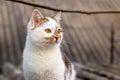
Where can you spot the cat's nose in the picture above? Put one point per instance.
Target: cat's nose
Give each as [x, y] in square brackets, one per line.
[56, 38]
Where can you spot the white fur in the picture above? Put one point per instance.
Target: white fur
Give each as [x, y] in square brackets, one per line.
[40, 62]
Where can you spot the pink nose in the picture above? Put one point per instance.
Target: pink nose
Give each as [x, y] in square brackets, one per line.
[56, 38]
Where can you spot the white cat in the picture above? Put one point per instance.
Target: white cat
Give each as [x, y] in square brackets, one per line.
[42, 57]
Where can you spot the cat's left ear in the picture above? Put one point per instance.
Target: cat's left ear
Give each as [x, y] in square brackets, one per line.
[35, 18]
[57, 17]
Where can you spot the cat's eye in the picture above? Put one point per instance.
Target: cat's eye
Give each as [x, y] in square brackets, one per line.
[59, 30]
[48, 30]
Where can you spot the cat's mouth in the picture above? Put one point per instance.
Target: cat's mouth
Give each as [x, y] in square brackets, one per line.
[52, 39]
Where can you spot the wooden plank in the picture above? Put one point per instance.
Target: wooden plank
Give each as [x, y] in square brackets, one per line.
[92, 43]
[72, 40]
[1, 37]
[101, 40]
[16, 43]
[86, 5]
[87, 35]
[3, 43]
[83, 35]
[8, 35]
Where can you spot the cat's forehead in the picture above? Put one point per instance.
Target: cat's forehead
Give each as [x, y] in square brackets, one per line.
[51, 23]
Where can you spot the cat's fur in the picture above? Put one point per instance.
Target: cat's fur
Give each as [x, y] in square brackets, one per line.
[42, 57]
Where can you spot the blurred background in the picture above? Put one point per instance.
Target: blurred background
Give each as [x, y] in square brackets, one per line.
[91, 35]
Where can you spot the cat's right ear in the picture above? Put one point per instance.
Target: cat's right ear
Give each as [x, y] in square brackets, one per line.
[57, 17]
[35, 19]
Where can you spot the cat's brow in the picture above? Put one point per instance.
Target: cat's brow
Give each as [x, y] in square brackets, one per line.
[58, 27]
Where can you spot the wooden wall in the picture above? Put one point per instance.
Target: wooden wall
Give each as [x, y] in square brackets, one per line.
[86, 37]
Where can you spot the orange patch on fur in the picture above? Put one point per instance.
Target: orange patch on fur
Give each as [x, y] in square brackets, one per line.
[57, 34]
[42, 20]
[56, 37]
[50, 39]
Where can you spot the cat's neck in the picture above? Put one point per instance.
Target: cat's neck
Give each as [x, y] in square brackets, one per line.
[34, 48]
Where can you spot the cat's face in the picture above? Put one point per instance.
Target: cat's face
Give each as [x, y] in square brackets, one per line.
[45, 31]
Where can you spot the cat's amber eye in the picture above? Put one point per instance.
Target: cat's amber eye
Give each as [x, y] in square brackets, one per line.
[48, 30]
[59, 30]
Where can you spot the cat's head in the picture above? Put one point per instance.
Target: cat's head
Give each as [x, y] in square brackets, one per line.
[45, 31]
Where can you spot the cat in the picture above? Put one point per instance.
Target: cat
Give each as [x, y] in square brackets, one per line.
[42, 57]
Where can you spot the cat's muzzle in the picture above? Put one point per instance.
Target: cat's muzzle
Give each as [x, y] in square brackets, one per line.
[56, 39]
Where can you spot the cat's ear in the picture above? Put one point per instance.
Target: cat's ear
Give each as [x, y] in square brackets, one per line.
[35, 19]
[57, 17]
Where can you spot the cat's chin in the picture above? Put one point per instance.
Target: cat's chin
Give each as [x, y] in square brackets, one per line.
[48, 45]
[51, 44]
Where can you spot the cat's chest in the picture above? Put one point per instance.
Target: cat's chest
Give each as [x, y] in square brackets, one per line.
[45, 68]
[44, 61]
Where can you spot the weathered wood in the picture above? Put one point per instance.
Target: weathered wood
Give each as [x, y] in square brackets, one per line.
[87, 36]
[95, 73]
[14, 34]
[11, 72]
[3, 77]
[2, 34]
[87, 9]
